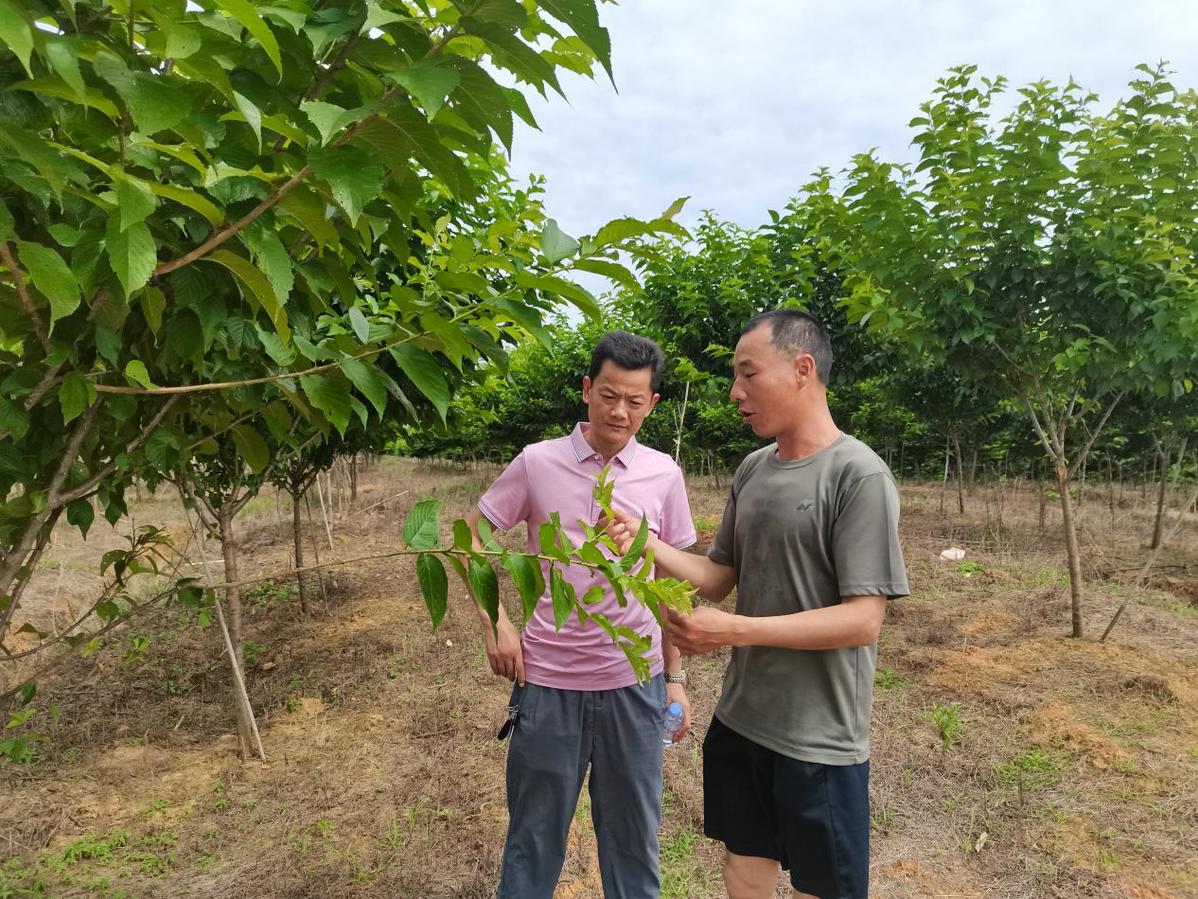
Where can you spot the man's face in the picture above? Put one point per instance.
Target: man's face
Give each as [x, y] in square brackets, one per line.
[618, 400]
[766, 382]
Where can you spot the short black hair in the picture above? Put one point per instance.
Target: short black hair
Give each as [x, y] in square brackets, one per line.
[631, 352]
[797, 332]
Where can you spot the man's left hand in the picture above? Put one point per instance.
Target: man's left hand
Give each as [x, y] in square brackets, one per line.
[676, 693]
[703, 630]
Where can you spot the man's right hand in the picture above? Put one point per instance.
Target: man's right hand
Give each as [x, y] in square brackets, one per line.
[504, 652]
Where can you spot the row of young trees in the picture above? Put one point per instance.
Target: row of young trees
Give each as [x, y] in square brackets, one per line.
[1024, 292]
[239, 239]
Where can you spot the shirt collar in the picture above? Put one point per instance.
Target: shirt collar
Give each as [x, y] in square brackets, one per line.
[583, 450]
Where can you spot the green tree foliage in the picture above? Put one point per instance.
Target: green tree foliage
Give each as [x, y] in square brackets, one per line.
[221, 215]
[1048, 256]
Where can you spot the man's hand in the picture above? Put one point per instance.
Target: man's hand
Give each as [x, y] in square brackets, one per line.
[676, 693]
[702, 630]
[505, 654]
[622, 528]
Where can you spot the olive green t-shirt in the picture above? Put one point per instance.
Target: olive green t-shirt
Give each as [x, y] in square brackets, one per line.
[800, 535]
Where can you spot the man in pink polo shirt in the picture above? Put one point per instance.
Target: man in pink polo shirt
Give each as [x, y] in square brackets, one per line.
[578, 702]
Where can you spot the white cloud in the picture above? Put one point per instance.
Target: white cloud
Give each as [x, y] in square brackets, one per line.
[737, 103]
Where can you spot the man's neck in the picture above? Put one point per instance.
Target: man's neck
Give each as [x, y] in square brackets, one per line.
[605, 451]
[813, 431]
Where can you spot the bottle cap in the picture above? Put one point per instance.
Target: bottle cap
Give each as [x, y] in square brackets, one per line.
[674, 710]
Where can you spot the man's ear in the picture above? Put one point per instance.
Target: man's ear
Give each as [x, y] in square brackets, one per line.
[804, 368]
[652, 403]
[586, 388]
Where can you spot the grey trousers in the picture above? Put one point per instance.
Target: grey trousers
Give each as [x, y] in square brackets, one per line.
[558, 733]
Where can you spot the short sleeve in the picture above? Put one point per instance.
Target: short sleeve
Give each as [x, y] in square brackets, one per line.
[506, 502]
[865, 543]
[723, 548]
[677, 525]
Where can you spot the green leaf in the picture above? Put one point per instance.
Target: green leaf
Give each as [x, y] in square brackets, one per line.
[370, 380]
[307, 208]
[563, 595]
[81, 513]
[434, 586]
[252, 114]
[245, 13]
[13, 418]
[485, 585]
[675, 208]
[49, 163]
[638, 544]
[61, 56]
[420, 530]
[259, 287]
[555, 244]
[271, 257]
[153, 301]
[251, 447]
[583, 18]
[331, 397]
[462, 538]
[52, 277]
[136, 372]
[610, 270]
[530, 582]
[429, 82]
[329, 118]
[420, 365]
[354, 177]
[16, 33]
[404, 134]
[481, 101]
[75, 394]
[131, 253]
[360, 325]
[554, 285]
[134, 199]
[183, 41]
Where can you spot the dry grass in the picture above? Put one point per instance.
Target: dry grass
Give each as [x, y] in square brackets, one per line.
[1073, 772]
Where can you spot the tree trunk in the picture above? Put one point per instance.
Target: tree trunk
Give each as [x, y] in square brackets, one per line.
[297, 529]
[228, 550]
[681, 422]
[1072, 553]
[960, 475]
[353, 480]
[1158, 524]
[944, 480]
[1042, 489]
[971, 477]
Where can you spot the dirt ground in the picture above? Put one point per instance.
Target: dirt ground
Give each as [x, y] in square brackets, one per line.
[1008, 760]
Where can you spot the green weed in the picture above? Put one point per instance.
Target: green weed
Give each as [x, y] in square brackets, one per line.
[947, 719]
[886, 679]
[1032, 769]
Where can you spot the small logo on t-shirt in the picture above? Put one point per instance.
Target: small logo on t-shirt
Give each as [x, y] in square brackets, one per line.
[806, 505]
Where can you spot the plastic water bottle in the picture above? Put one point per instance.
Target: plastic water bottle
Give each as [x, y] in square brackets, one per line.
[672, 723]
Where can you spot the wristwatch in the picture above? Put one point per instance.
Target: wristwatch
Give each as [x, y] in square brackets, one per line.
[676, 677]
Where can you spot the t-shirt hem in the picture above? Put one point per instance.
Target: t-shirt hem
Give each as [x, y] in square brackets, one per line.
[890, 591]
[585, 684]
[795, 752]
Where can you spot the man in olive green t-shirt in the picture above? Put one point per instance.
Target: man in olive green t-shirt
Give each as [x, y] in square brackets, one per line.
[810, 541]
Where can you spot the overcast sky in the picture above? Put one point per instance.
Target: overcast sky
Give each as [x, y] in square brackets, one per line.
[736, 103]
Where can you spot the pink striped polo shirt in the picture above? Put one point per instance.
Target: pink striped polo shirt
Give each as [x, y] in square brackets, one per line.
[559, 476]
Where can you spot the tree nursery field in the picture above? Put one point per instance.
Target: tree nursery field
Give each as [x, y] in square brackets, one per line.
[1009, 760]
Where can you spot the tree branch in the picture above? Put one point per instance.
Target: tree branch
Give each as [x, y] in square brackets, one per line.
[240, 225]
[1081, 456]
[91, 483]
[49, 379]
[18, 279]
[249, 218]
[1039, 428]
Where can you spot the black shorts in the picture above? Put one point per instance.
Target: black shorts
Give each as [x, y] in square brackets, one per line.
[812, 818]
